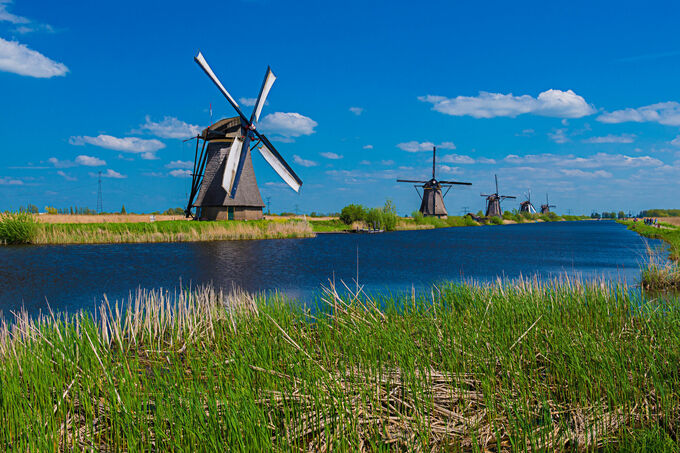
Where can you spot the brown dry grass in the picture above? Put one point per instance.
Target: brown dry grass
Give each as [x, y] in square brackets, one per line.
[672, 220]
[105, 218]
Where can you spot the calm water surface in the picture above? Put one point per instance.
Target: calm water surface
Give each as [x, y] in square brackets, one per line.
[76, 276]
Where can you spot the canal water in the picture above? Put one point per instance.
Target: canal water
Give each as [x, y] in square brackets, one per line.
[72, 277]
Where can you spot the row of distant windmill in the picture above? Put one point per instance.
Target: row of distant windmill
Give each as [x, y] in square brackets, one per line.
[432, 198]
[223, 184]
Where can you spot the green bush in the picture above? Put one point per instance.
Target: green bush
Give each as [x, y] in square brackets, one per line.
[389, 216]
[352, 213]
[17, 228]
[496, 220]
[374, 218]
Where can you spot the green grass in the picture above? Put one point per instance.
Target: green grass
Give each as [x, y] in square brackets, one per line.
[328, 226]
[17, 228]
[512, 366]
[669, 233]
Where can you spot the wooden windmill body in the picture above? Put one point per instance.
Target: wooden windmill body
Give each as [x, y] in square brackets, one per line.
[526, 205]
[545, 208]
[223, 185]
[432, 199]
[493, 202]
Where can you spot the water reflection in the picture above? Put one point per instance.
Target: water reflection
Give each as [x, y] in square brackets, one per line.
[76, 276]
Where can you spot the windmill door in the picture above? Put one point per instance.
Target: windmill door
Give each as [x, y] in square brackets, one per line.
[230, 213]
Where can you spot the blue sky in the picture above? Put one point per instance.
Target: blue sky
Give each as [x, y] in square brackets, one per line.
[578, 99]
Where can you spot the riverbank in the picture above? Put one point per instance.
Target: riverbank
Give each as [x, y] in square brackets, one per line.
[511, 366]
[658, 273]
[168, 231]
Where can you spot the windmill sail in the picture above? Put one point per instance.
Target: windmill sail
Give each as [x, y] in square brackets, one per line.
[267, 84]
[279, 165]
[231, 165]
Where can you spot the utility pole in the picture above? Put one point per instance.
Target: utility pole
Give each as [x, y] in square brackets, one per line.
[99, 194]
[269, 204]
[465, 210]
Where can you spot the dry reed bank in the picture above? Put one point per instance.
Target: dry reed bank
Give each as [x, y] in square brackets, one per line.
[514, 366]
[168, 231]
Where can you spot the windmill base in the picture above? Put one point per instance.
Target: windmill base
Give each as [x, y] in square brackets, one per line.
[230, 213]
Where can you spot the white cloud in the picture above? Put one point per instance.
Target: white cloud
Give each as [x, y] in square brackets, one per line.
[332, 156]
[149, 155]
[6, 16]
[60, 163]
[111, 174]
[356, 110]
[586, 174]
[135, 145]
[182, 164]
[7, 181]
[365, 162]
[288, 124]
[89, 161]
[553, 103]
[450, 170]
[456, 159]
[179, 173]
[19, 59]
[170, 127]
[667, 113]
[387, 162]
[368, 147]
[248, 102]
[559, 136]
[485, 160]
[304, 162]
[66, 176]
[623, 138]
[414, 146]
[676, 141]
[595, 161]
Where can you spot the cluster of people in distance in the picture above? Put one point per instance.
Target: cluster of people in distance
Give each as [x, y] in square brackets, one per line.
[649, 221]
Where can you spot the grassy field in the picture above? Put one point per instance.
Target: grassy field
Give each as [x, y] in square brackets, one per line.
[658, 273]
[519, 366]
[105, 218]
[168, 231]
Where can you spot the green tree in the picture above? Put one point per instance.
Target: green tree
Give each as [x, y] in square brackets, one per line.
[122, 210]
[352, 213]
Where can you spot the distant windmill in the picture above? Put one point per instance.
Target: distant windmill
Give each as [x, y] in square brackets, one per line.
[545, 208]
[526, 205]
[493, 202]
[432, 199]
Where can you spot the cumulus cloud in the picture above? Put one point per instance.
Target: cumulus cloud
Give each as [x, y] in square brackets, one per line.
[60, 163]
[111, 174]
[586, 174]
[66, 176]
[623, 138]
[387, 162]
[288, 125]
[356, 110]
[414, 146]
[19, 59]
[368, 147]
[180, 173]
[666, 113]
[456, 159]
[89, 161]
[7, 181]
[170, 127]
[332, 156]
[552, 103]
[596, 160]
[180, 164]
[248, 102]
[304, 162]
[559, 136]
[146, 147]
[365, 162]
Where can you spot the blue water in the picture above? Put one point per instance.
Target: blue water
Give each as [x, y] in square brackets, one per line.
[77, 276]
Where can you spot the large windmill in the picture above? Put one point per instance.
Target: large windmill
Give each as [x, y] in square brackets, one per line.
[432, 199]
[223, 175]
[545, 208]
[493, 202]
[526, 205]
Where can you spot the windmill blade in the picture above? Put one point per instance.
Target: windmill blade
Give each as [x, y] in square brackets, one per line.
[411, 180]
[206, 68]
[507, 196]
[245, 147]
[231, 166]
[279, 165]
[269, 79]
[456, 182]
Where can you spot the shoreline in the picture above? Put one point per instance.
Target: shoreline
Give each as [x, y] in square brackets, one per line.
[119, 229]
[521, 363]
